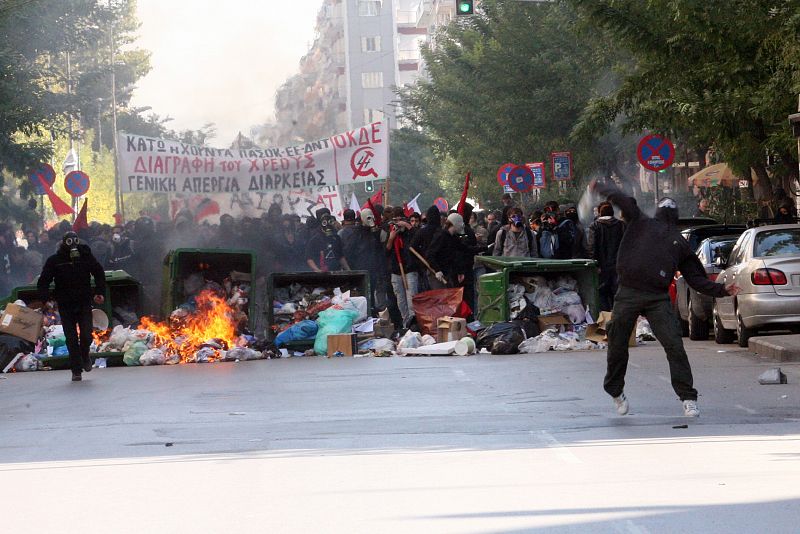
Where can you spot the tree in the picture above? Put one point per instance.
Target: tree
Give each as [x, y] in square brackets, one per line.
[720, 74]
[508, 85]
[414, 169]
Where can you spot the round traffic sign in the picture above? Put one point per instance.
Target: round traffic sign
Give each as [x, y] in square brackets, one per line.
[520, 179]
[442, 204]
[76, 183]
[655, 153]
[44, 171]
[502, 173]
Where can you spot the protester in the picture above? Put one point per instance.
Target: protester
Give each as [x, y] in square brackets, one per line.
[579, 245]
[324, 250]
[402, 262]
[415, 220]
[71, 269]
[422, 242]
[445, 255]
[515, 239]
[650, 251]
[507, 200]
[603, 240]
[481, 233]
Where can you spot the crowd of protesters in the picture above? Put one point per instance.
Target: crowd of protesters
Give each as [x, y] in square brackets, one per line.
[404, 253]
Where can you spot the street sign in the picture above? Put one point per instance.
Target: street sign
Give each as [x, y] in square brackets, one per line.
[537, 169]
[507, 189]
[520, 179]
[76, 183]
[655, 152]
[502, 173]
[743, 184]
[442, 205]
[562, 165]
[45, 171]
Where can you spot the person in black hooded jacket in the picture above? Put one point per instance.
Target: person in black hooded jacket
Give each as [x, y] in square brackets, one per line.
[421, 242]
[71, 268]
[650, 252]
[602, 241]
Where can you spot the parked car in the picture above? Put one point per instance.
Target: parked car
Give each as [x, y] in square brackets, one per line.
[694, 234]
[765, 263]
[695, 308]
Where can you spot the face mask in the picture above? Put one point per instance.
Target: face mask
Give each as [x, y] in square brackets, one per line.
[516, 220]
[116, 238]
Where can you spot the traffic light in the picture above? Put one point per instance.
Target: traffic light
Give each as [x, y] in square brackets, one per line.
[465, 7]
[369, 187]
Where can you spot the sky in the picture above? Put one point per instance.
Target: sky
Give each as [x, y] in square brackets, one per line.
[221, 62]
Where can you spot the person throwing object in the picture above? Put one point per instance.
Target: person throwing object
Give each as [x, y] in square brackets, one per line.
[71, 267]
[650, 252]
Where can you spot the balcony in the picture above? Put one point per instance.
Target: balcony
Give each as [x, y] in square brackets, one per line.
[425, 13]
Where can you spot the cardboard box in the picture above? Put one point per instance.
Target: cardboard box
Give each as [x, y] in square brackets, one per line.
[383, 329]
[599, 330]
[21, 322]
[450, 329]
[347, 344]
[546, 321]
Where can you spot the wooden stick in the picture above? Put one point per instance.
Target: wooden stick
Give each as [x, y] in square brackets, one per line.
[403, 274]
[423, 260]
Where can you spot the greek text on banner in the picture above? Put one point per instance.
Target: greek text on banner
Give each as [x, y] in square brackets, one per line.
[151, 165]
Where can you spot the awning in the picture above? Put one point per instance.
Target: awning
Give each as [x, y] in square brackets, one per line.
[718, 174]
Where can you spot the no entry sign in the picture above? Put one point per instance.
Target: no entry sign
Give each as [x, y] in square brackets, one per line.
[502, 173]
[45, 172]
[441, 204]
[76, 183]
[655, 153]
[520, 179]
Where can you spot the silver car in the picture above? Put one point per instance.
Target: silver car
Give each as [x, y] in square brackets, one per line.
[765, 263]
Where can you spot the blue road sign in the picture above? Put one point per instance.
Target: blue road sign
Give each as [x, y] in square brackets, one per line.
[76, 183]
[45, 171]
[655, 153]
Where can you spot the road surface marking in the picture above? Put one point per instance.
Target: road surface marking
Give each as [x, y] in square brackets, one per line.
[746, 409]
[557, 447]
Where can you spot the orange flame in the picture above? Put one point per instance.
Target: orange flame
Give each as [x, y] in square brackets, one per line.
[213, 319]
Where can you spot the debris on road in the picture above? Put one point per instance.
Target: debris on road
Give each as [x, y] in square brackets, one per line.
[772, 376]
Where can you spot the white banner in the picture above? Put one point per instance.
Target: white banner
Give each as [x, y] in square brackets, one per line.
[150, 165]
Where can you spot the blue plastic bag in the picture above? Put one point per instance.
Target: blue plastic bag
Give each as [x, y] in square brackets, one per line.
[332, 321]
[304, 330]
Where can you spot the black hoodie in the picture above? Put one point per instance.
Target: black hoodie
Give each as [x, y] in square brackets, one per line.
[424, 237]
[602, 241]
[72, 277]
[651, 251]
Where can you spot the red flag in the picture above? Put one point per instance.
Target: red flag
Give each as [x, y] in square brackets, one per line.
[463, 197]
[377, 198]
[82, 220]
[377, 215]
[59, 206]
[205, 208]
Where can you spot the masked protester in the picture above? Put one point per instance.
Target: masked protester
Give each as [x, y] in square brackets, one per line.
[516, 238]
[324, 250]
[71, 268]
[650, 252]
[446, 253]
[422, 241]
[603, 239]
[397, 246]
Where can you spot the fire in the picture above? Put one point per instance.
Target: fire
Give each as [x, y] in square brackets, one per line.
[100, 336]
[184, 335]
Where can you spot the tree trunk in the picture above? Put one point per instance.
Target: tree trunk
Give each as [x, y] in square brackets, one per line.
[763, 189]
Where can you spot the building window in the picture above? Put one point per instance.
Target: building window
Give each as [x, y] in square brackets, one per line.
[372, 115]
[371, 44]
[369, 8]
[371, 80]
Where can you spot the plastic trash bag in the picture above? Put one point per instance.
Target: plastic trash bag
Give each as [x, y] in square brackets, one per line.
[61, 351]
[430, 305]
[204, 355]
[332, 321]
[488, 336]
[428, 339]
[152, 357]
[304, 330]
[10, 346]
[543, 298]
[243, 354]
[28, 362]
[643, 330]
[566, 282]
[119, 336]
[576, 313]
[544, 342]
[134, 352]
[410, 340]
[565, 297]
[172, 359]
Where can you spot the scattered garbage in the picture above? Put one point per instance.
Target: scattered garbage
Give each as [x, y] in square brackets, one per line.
[643, 330]
[152, 357]
[772, 376]
[334, 320]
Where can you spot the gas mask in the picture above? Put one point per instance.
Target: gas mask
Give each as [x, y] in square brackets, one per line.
[70, 240]
[327, 224]
[116, 238]
[367, 218]
[516, 220]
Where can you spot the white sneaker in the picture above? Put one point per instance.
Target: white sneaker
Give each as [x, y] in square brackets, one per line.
[621, 403]
[690, 408]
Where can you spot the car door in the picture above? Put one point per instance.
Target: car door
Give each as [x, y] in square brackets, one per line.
[725, 305]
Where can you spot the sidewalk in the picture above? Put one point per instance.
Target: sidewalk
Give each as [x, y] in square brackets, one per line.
[785, 348]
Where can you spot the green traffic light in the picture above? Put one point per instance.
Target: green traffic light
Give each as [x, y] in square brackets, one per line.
[465, 8]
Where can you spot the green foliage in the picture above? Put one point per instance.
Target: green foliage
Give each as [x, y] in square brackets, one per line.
[508, 85]
[720, 74]
[414, 170]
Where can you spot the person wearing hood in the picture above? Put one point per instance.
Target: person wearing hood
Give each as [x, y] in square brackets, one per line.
[324, 250]
[422, 240]
[71, 268]
[365, 249]
[446, 254]
[650, 251]
[603, 239]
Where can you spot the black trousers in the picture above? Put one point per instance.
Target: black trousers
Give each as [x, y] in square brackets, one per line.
[629, 304]
[74, 316]
[608, 288]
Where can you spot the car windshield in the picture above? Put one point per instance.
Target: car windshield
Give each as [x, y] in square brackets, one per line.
[778, 243]
[722, 248]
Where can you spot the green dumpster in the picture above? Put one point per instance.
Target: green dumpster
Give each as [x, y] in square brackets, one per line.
[215, 264]
[357, 282]
[493, 306]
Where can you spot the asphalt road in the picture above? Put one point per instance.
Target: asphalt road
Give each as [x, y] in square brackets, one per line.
[481, 444]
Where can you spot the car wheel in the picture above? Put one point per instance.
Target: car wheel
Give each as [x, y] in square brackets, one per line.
[684, 324]
[742, 333]
[698, 328]
[721, 336]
